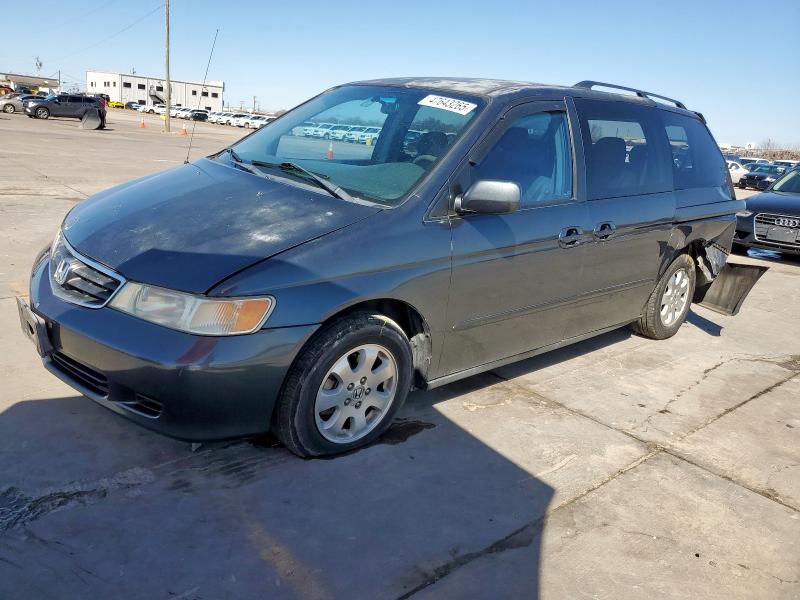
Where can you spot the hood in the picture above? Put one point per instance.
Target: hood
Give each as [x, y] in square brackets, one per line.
[783, 203]
[190, 227]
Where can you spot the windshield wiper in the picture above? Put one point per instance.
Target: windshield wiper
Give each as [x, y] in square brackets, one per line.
[290, 167]
[238, 160]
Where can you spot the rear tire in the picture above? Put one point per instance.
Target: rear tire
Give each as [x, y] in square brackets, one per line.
[668, 305]
[9, 109]
[340, 363]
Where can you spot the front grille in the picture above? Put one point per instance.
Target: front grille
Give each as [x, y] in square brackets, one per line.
[79, 280]
[764, 221]
[145, 406]
[81, 374]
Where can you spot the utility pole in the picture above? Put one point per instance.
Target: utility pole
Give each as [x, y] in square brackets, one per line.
[254, 104]
[168, 87]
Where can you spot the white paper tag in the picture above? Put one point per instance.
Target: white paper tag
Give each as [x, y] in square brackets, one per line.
[445, 103]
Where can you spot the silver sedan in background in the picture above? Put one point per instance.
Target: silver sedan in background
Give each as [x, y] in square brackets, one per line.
[11, 103]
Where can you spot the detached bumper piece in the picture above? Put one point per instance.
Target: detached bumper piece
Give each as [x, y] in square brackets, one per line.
[728, 291]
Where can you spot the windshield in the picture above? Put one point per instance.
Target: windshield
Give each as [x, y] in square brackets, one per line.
[788, 183]
[383, 169]
[766, 169]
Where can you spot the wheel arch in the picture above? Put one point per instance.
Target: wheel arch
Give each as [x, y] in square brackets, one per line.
[695, 239]
[405, 316]
[410, 321]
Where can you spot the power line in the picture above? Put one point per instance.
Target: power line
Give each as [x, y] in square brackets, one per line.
[113, 35]
[93, 11]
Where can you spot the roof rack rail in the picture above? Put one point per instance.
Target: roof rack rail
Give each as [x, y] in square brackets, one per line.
[642, 94]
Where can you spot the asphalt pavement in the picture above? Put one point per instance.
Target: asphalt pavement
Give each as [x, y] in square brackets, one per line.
[619, 467]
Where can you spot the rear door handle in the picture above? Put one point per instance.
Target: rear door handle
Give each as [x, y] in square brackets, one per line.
[570, 236]
[603, 231]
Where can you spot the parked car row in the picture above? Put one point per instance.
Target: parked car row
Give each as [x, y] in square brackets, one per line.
[758, 175]
[235, 119]
[239, 119]
[360, 134]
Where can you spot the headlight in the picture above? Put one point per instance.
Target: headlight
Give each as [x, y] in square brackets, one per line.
[744, 214]
[193, 314]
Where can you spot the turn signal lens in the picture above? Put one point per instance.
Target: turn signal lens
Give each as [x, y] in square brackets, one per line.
[193, 314]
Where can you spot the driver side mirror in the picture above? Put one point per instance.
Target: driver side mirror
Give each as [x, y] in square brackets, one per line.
[489, 197]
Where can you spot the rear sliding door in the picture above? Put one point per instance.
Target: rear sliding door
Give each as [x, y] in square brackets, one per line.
[631, 209]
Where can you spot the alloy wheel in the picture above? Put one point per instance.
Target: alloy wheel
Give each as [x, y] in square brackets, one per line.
[356, 393]
[675, 297]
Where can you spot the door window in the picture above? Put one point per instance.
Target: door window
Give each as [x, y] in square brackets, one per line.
[625, 149]
[536, 154]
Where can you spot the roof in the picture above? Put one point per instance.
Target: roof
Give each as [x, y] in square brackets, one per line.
[28, 79]
[500, 87]
[462, 85]
[209, 83]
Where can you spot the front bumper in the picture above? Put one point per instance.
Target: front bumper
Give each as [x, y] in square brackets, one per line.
[745, 236]
[190, 387]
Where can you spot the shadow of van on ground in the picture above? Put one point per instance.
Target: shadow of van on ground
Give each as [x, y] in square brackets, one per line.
[91, 503]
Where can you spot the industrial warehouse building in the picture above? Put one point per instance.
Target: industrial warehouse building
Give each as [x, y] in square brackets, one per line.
[127, 87]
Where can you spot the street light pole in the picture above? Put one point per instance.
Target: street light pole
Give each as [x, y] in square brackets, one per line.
[168, 87]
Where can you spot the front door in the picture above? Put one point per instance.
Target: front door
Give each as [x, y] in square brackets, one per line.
[515, 275]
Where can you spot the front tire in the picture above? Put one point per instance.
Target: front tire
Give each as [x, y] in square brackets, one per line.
[42, 113]
[669, 303]
[9, 109]
[345, 387]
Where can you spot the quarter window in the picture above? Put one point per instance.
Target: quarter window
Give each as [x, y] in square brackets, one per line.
[626, 153]
[696, 159]
[535, 153]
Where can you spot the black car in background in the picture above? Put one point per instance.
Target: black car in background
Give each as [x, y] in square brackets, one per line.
[132, 105]
[772, 219]
[62, 105]
[761, 176]
[198, 115]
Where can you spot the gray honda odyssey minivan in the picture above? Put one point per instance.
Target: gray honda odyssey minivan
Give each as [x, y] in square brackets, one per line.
[304, 285]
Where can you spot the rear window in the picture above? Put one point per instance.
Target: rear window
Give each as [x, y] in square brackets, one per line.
[696, 159]
[625, 149]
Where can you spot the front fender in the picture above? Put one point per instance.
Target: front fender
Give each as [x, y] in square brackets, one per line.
[391, 255]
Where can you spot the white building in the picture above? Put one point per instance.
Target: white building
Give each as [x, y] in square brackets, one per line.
[124, 87]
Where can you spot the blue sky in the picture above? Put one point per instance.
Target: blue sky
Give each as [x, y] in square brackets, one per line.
[283, 52]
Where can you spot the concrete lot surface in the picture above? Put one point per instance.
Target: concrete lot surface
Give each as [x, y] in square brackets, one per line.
[616, 468]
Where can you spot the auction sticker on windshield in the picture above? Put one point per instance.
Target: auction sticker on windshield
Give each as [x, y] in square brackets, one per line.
[445, 103]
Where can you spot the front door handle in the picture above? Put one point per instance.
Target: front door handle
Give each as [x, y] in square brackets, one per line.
[603, 231]
[570, 236]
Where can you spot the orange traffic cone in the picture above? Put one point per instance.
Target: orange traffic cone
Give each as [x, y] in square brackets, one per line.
[183, 130]
[141, 123]
[329, 153]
